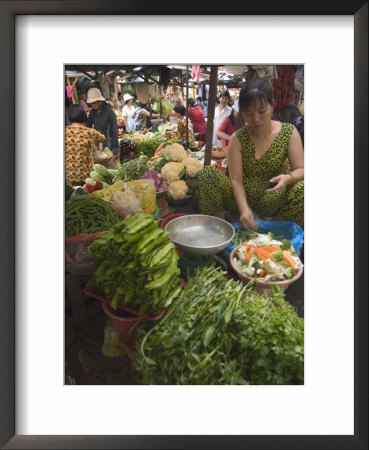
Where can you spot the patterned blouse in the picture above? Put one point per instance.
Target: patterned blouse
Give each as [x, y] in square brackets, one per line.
[181, 131]
[79, 146]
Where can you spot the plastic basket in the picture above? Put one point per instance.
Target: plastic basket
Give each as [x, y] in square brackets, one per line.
[77, 259]
[281, 230]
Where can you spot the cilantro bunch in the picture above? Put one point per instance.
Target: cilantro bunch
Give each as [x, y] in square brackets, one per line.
[220, 331]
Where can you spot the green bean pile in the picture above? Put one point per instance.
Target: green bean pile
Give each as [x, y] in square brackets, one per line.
[89, 214]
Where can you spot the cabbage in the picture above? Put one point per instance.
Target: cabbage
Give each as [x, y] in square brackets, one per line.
[160, 184]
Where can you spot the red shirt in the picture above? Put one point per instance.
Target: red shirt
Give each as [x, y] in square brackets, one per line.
[227, 128]
[198, 120]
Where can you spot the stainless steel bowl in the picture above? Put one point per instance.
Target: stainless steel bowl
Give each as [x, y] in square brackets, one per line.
[200, 234]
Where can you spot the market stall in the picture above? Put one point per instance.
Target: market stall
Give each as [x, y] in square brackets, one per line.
[147, 278]
[158, 293]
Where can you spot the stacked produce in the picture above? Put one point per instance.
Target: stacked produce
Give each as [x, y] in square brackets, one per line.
[128, 150]
[101, 173]
[179, 171]
[219, 331]
[131, 197]
[159, 183]
[141, 142]
[136, 265]
[131, 170]
[87, 214]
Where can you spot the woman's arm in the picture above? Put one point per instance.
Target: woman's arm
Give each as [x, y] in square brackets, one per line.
[236, 177]
[98, 137]
[222, 135]
[295, 156]
[221, 131]
[147, 114]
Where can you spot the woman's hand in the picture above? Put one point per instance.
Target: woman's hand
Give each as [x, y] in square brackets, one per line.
[282, 181]
[247, 219]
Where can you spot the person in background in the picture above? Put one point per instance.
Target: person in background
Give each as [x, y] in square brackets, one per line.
[103, 119]
[221, 112]
[291, 114]
[142, 116]
[82, 101]
[205, 108]
[196, 114]
[113, 98]
[226, 129]
[200, 103]
[236, 107]
[128, 112]
[180, 112]
[177, 96]
[80, 142]
[134, 101]
[119, 103]
[261, 152]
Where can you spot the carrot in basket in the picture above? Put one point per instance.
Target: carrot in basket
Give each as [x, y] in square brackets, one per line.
[271, 248]
[262, 273]
[248, 253]
[262, 254]
[289, 259]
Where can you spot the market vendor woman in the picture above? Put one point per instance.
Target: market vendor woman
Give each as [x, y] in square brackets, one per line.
[180, 113]
[103, 119]
[261, 151]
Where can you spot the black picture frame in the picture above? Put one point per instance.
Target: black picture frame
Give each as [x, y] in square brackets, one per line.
[8, 11]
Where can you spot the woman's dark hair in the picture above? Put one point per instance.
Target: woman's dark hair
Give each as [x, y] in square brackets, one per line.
[291, 114]
[287, 114]
[180, 109]
[224, 94]
[232, 118]
[192, 102]
[256, 90]
[77, 114]
[127, 101]
[120, 94]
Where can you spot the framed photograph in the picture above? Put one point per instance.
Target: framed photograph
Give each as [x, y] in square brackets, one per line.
[330, 410]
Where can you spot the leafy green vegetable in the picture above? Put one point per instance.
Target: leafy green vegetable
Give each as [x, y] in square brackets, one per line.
[132, 170]
[220, 331]
[148, 147]
[242, 235]
[136, 265]
[160, 163]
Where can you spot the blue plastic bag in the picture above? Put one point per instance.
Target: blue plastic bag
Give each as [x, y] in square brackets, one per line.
[281, 230]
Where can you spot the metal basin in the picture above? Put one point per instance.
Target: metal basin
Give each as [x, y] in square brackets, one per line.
[200, 234]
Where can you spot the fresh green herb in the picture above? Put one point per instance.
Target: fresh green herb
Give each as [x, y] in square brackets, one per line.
[220, 331]
[241, 235]
[148, 147]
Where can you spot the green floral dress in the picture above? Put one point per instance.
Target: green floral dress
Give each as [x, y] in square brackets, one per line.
[216, 193]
